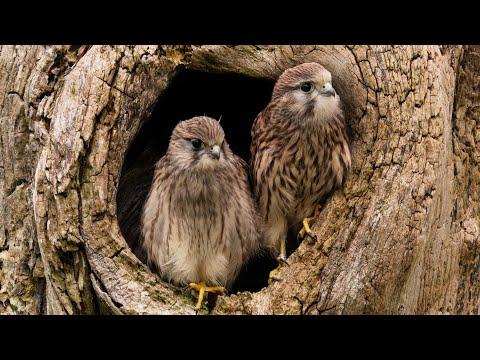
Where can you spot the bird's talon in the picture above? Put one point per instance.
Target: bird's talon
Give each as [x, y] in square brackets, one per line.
[202, 289]
[282, 261]
[306, 230]
[273, 276]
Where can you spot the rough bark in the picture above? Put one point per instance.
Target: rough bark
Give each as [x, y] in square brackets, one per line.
[401, 237]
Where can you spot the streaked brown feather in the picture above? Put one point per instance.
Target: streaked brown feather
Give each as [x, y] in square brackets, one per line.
[297, 156]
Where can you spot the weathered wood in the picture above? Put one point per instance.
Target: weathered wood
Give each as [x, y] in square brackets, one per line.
[401, 237]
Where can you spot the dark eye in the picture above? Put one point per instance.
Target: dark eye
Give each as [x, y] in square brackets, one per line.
[306, 87]
[197, 144]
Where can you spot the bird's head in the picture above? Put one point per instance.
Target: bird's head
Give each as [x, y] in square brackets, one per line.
[308, 92]
[199, 142]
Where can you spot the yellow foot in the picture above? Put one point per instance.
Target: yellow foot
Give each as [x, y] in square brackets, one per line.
[306, 230]
[273, 275]
[202, 289]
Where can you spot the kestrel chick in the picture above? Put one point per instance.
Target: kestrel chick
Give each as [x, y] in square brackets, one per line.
[199, 221]
[299, 152]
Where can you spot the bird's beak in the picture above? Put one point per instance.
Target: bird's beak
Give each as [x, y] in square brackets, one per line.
[215, 152]
[328, 90]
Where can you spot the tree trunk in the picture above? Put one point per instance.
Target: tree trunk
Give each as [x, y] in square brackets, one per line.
[402, 236]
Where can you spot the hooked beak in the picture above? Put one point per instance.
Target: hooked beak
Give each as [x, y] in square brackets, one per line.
[328, 90]
[214, 152]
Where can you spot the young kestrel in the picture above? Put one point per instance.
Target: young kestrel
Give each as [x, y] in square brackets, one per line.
[299, 152]
[199, 221]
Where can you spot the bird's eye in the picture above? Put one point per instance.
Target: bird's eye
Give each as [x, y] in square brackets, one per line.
[197, 144]
[306, 87]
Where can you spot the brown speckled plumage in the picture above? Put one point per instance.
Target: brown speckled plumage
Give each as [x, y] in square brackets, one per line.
[299, 150]
[199, 221]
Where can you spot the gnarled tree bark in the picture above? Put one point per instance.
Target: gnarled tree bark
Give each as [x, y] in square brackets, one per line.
[402, 237]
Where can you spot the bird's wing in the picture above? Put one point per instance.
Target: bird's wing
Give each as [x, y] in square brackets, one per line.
[155, 220]
[258, 128]
[240, 164]
[261, 158]
[268, 167]
[249, 222]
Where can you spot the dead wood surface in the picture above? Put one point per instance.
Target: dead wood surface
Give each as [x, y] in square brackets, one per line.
[402, 237]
